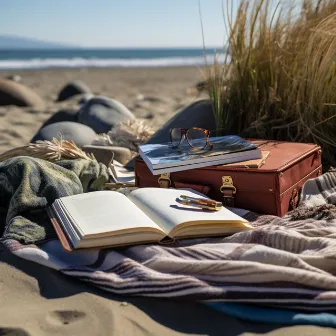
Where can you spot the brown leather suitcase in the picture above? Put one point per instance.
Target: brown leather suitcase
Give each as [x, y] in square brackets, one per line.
[273, 188]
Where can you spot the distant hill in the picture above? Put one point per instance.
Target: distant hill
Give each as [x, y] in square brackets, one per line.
[17, 42]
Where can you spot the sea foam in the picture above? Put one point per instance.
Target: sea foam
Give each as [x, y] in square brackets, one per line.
[44, 63]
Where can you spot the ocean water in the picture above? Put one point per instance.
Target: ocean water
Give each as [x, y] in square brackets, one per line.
[77, 58]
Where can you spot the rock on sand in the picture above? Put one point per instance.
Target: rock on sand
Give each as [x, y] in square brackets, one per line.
[198, 114]
[72, 89]
[102, 113]
[81, 134]
[13, 93]
[62, 115]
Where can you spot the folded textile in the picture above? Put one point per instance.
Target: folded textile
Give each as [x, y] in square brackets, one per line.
[28, 185]
[254, 313]
[284, 263]
[319, 191]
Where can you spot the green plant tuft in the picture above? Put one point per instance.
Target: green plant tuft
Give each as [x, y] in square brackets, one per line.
[280, 78]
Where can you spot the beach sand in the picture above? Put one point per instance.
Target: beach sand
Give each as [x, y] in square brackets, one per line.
[155, 94]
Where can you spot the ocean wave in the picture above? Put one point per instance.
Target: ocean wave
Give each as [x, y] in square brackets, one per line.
[40, 63]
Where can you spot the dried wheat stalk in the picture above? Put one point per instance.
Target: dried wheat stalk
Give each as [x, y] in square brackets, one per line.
[128, 133]
[49, 150]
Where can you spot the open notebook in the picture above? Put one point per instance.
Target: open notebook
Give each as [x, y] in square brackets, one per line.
[108, 218]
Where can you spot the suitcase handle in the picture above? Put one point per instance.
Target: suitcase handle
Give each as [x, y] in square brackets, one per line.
[227, 189]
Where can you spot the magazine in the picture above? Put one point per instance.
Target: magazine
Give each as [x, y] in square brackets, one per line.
[163, 158]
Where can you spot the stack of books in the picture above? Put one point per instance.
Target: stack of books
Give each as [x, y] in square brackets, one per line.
[163, 158]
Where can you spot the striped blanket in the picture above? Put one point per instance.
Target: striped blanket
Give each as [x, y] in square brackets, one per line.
[287, 262]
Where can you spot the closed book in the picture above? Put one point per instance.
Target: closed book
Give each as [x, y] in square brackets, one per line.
[163, 158]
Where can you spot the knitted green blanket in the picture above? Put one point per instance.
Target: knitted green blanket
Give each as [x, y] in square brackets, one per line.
[29, 185]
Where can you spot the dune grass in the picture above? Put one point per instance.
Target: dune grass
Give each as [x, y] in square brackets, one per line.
[280, 78]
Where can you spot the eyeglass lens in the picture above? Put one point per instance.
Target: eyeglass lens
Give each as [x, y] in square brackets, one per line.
[197, 138]
[176, 135]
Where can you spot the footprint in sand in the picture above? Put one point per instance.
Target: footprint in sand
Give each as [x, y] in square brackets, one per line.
[61, 317]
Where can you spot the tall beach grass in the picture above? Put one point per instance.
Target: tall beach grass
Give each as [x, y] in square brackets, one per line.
[280, 78]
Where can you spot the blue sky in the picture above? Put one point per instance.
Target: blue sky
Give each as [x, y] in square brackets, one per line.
[115, 23]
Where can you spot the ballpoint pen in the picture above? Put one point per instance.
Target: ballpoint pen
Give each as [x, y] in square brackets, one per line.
[201, 202]
[204, 207]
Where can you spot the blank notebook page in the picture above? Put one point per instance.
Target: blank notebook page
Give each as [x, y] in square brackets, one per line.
[104, 211]
[162, 206]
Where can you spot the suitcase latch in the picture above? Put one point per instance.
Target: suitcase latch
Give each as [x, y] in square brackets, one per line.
[227, 184]
[228, 190]
[164, 180]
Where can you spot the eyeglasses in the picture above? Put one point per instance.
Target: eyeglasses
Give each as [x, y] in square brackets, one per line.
[197, 138]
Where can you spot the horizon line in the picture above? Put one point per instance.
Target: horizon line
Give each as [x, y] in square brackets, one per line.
[116, 48]
[65, 45]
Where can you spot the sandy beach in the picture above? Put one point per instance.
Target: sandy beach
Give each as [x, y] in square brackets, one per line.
[155, 94]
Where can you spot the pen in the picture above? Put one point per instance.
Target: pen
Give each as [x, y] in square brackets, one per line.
[205, 207]
[202, 201]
